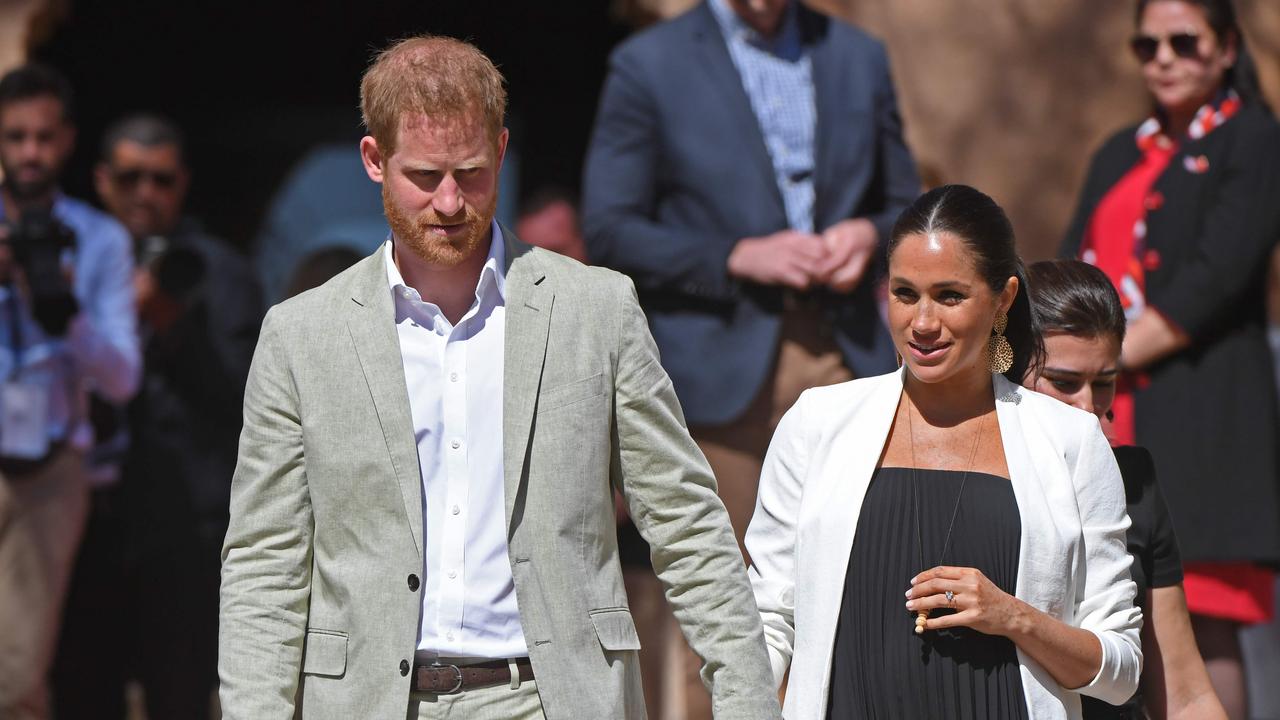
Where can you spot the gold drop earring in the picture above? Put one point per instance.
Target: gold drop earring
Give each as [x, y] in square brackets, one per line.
[999, 351]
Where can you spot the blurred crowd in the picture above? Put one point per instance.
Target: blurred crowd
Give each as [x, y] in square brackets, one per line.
[747, 164]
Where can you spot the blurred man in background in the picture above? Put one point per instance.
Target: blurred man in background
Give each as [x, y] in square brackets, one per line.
[746, 167]
[148, 577]
[67, 325]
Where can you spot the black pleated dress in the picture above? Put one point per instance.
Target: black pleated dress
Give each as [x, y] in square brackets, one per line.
[880, 668]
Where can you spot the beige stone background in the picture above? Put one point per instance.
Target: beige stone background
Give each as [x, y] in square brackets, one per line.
[1013, 96]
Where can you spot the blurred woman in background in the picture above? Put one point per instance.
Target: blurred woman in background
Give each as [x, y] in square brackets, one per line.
[1180, 214]
[1084, 328]
[1000, 512]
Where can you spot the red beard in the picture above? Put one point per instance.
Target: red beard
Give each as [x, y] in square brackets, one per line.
[417, 235]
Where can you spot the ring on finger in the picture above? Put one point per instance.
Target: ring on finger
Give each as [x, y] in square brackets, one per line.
[951, 597]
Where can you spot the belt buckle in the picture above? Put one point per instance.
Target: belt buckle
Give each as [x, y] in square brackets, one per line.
[457, 686]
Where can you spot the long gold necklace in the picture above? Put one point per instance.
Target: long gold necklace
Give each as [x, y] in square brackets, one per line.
[923, 615]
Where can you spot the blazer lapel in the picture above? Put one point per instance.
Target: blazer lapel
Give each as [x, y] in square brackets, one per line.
[854, 453]
[859, 449]
[726, 83]
[528, 319]
[371, 322]
[1040, 561]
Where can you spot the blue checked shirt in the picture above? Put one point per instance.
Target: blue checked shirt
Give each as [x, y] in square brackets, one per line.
[101, 348]
[777, 75]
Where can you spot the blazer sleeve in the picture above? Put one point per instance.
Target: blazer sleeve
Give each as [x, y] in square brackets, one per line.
[266, 558]
[1105, 598]
[671, 495]
[771, 537]
[620, 197]
[1240, 227]
[900, 181]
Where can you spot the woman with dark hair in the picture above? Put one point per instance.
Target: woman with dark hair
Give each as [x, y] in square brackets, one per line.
[999, 511]
[1180, 214]
[1084, 327]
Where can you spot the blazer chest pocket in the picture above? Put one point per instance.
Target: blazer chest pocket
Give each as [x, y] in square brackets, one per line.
[616, 629]
[325, 653]
[570, 393]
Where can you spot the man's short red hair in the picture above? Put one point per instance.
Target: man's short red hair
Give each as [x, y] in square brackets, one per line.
[437, 77]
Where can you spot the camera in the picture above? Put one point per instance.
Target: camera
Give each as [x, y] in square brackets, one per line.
[41, 246]
[178, 269]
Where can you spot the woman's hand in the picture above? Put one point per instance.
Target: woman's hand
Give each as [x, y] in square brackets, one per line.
[1071, 655]
[978, 603]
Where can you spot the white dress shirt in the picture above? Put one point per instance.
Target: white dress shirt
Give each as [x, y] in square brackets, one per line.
[454, 375]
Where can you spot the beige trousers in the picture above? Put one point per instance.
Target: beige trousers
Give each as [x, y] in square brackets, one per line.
[42, 518]
[500, 702]
[807, 357]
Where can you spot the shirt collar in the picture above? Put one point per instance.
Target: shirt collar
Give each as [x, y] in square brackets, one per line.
[734, 27]
[493, 276]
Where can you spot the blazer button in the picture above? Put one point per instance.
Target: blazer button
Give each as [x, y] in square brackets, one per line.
[404, 668]
[413, 583]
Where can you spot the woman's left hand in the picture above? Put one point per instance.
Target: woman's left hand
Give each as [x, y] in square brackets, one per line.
[978, 603]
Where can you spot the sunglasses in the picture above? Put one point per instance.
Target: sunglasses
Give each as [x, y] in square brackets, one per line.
[1184, 44]
[130, 179]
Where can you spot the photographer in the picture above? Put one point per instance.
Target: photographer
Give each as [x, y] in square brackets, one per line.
[147, 580]
[67, 326]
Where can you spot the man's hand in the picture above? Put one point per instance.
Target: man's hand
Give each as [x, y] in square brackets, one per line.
[850, 245]
[787, 258]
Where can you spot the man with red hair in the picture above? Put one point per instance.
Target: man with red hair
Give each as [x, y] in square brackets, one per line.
[422, 512]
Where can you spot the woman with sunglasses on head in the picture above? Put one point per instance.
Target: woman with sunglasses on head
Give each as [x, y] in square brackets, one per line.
[1084, 328]
[1181, 214]
[939, 542]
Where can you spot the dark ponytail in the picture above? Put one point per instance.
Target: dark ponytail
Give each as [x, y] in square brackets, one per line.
[1076, 298]
[985, 230]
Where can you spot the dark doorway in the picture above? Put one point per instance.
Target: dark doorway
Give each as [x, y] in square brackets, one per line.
[255, 84]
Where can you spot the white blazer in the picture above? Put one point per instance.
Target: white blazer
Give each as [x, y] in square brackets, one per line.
[1072, 565]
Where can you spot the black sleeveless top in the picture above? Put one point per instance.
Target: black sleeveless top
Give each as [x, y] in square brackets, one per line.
[880, 668]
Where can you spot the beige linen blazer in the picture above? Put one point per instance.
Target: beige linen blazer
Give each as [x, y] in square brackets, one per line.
[1073, 563]
[317, 614]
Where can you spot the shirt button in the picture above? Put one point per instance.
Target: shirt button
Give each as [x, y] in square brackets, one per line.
[453, 574]
[455, 444]
[404, 668]
[453, 377]
[413, 583]
[456, 510]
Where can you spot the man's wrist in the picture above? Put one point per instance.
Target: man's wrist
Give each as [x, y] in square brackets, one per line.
[734, 261]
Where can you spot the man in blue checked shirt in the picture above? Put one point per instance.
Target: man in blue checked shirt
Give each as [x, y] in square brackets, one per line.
[746, 167]
[67, 325]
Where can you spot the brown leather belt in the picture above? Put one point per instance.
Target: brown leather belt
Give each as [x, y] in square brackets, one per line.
[434, 678]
